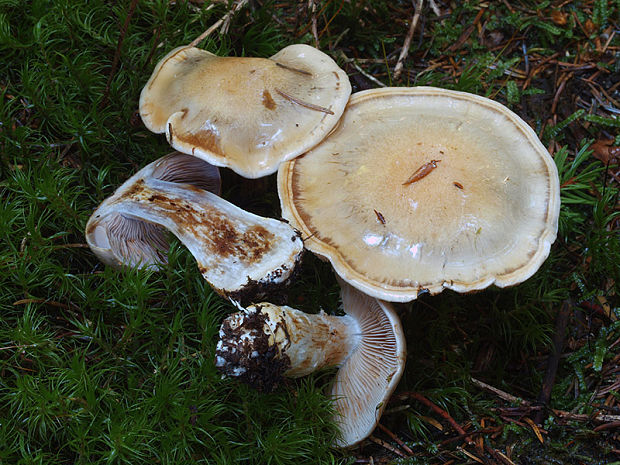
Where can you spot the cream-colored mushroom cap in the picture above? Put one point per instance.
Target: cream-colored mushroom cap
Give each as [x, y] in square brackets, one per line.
[248, 114]
[425, 189]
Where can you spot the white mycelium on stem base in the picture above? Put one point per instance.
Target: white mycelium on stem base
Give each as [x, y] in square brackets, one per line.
[265, 342]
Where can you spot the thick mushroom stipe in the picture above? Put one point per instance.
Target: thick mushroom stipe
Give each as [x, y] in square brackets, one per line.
[240, 254]
[265, 342]
[248, 114]
[422, 189]
[118, 239]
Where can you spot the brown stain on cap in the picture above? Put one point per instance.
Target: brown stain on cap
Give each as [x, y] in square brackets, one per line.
[220, 236]
[204, 139]
[268, 101]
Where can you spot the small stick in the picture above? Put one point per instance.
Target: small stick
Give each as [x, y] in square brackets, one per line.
[610, 425]
[315, 33]
[117, 53]
[499, 393]
[434, 7]
[21, 347]
[396, 439]
[367, 75]
[304, 104]
[473, 433]
[296, 70]
[70, 246]
[422, 171]
[46, 302]
[360, 70]
[240, 4]
[598, 417]
[470, 455]
[559, 334]
[559, 92]
[387, 446]
[445, 415]
[380, 217]
[497, 455]
[405, 50]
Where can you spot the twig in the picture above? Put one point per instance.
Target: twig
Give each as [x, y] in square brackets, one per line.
[559, 335]
[18, 346]
[499, 393]
[315, 33]
[445, 415]
[153, 48]
[465, 35]
[70, 246]
[398, 69]
[497, 455]
[434, 7]
[556, 98]
[473, 433]
[47, 302]
[395, 439]
[366, 75]
[470, 455]
[387, 446]
[240, 4]
[599, 417]
[610, 425]
[304, 104]
[117, 53]
[295, 70]
[360, 70]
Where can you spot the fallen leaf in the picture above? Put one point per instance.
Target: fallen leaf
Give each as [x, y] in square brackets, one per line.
[535, 428]
[589, 27]
[433, 422]
[604, 151]
[558, 17]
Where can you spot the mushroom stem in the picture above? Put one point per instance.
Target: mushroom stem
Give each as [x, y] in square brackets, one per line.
[265, 342]
[240, 254]
[298, 343]
[216, 232]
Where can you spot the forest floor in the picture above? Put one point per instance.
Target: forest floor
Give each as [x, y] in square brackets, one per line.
[116, 366]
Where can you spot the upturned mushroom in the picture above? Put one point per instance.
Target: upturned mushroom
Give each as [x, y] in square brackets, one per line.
[240, 254]
[264, 342]
[421, 189]
[248, 114]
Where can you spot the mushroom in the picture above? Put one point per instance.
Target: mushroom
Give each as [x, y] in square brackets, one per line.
[248, 114]
[421, 189]
[264, 342]
[240, 254]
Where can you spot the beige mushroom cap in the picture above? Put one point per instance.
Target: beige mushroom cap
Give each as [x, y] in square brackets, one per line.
[486, 213]
[248, 114]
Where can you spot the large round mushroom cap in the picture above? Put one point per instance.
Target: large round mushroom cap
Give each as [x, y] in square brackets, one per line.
[248, 114]
[425, 189]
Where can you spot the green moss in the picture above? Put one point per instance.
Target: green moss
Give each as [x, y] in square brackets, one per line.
[115, 366]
